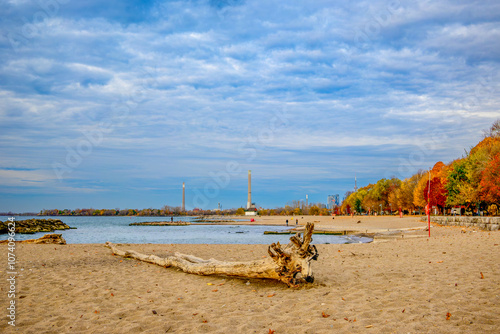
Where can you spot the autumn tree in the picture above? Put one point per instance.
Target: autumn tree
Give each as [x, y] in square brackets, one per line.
[490, 181]
[437, 194]
[494, 131]
[378, 195]
[314, 210]
[404, 194]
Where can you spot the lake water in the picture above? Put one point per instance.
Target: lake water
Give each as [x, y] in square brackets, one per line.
[97, 230]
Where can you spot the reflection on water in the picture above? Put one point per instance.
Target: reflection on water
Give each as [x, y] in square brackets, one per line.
[117, 230]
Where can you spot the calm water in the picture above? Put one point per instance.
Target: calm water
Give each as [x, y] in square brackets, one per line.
[117, 230]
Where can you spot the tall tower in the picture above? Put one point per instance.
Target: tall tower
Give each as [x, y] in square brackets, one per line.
[307, 201]
[183, 197]
[355, 183]
[249, 201]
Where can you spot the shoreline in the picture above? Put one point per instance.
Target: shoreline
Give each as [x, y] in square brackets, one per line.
[446, 283]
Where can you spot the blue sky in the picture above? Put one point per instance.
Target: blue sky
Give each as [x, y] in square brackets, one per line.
[116, 103]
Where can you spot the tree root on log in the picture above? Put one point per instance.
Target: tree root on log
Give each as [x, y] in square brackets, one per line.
[290, 264]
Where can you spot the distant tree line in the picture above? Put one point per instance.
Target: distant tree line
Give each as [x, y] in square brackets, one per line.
[164, 211]
[471, 184]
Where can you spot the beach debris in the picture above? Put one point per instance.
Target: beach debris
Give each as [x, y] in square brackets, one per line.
[324, 315]
[448, 316]
[482, 276]
[290, 264]
[46, 239]
[271, 331]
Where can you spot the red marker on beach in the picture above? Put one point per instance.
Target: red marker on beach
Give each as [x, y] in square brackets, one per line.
[428, 208]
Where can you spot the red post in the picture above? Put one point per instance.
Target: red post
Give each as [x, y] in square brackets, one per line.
[429, 221]
[429, 204]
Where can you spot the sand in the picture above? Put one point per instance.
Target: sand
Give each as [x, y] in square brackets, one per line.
[449, 283]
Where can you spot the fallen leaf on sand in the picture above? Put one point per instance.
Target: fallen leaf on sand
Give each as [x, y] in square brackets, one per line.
[210, 283]
[112, 294]
[271, 331]
[403, 310]
[324, 315]
[272, 295]
[369, 326]
[448, 316]
[215, 290]
[195, 313]
[205, 321]
[154, 312]
[482, 276]
[343, 299]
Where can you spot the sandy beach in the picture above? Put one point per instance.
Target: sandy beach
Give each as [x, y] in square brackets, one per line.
[406, 283]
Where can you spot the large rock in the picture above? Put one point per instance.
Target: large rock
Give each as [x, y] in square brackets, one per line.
[30, 226]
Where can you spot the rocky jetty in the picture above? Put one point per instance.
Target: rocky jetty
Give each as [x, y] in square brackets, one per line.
[46, 239]
[30, 226]
[176, 223]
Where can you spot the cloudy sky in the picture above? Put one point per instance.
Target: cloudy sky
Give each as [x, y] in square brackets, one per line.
[115, 103]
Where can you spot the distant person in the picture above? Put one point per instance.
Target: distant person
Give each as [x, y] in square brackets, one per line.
[172, 219]
[296, 222]
[287, 222]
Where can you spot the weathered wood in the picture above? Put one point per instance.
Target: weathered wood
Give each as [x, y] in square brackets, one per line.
[290, 264]
[46, 239]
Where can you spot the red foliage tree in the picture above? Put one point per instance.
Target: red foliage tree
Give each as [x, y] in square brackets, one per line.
[490, 181]
[437, 194]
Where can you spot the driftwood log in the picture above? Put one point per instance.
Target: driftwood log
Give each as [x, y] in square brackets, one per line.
[46, 239]
[290, 264]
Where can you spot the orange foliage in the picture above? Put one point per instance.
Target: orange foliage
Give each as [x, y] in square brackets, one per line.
[490, 181]
[490, 144]
[439, 170]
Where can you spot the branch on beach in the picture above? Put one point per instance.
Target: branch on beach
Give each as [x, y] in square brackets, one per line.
[290, 264]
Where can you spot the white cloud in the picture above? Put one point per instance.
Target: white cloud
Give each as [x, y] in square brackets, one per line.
[194, 82]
